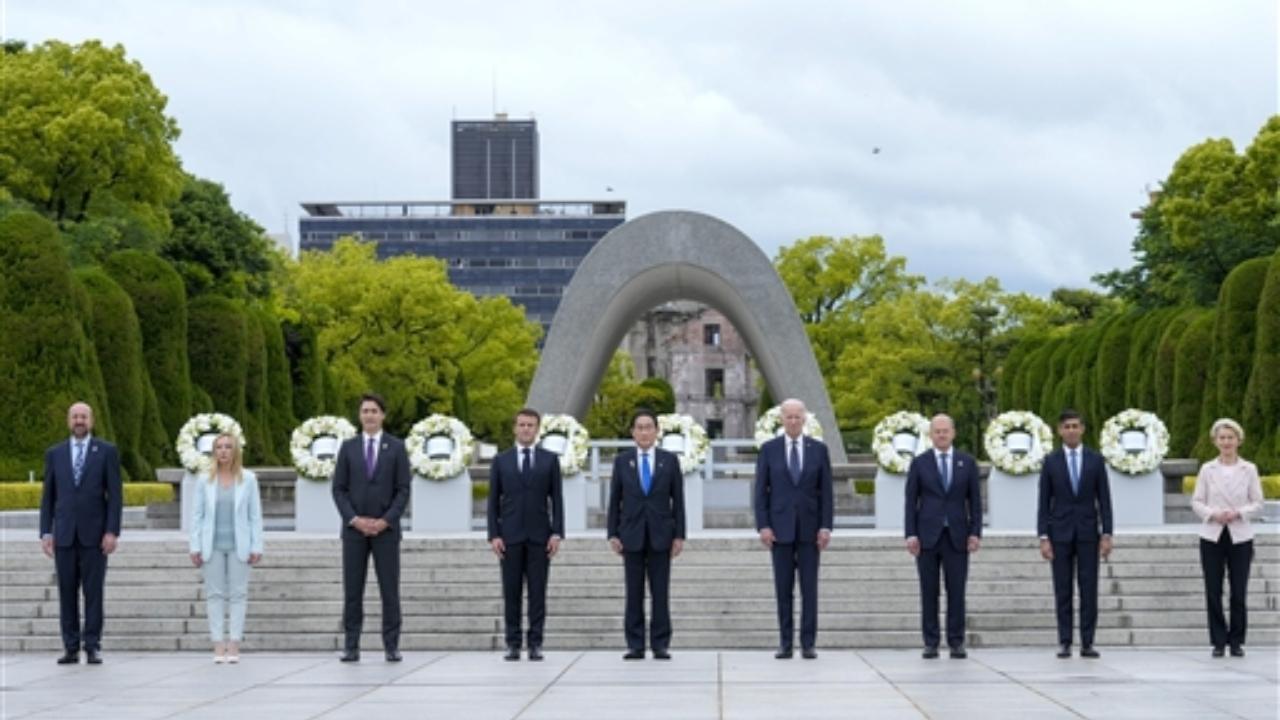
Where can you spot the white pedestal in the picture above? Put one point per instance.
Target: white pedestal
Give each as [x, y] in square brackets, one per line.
[190, 486]
[442, 505]
[575, 503]
[891, 499]
[1012, 500]
[693, 501]
[313, 508]
[1136, 500]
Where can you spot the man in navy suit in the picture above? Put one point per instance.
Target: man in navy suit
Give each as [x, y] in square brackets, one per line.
[79, 522]
[794, 515]
[371, 489]
[646, 526]
[1075, 496]
[943, 526]
[526, 524]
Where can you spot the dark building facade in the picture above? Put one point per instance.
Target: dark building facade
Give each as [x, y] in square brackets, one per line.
[495, 159]
[526, 250]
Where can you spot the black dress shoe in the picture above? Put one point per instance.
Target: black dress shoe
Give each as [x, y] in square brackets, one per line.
[70, 657]
[1237, 651]
[930, 652]
[350, 655]
[958, 653]
[1064, 650]
[808, 653]
[93, 657]
[661, 654]
[1219, 652]
[513, 653]
[784, 653]
[535, 653]
[393, 655]
[1088, 652]
[634, 654]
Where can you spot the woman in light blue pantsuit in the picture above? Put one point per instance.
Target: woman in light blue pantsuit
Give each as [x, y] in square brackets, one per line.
[226, 538]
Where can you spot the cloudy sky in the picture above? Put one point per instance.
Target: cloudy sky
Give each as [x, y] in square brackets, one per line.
[1014, 137]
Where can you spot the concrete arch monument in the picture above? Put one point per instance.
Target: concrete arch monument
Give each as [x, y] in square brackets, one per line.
[676, 255]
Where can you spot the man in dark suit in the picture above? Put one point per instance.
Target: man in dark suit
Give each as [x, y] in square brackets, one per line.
[371, 489]
[646, 526]
[526, 524]
[943, 526]
[794, 515]
[1075, 496]
[80, 513]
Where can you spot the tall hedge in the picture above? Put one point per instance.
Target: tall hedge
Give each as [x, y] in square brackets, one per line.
[257, 401]
[103, 425]
[281, 420]
[46, 360]
[1085, 398]
[1034, 369]
[1191, 376]
[306, 370]
[1262, 397]
[1113, 367]
[1048, 405]
[118, 342]
[1140, 373]
[1011, 370]
[1233, 332]
[218, 346]
[160, 301]
[1166, 359]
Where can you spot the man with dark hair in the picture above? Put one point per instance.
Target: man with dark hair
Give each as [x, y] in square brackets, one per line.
[526, 524]
[80, 511]
[1075, 497]
[646, 526]
[371, 489]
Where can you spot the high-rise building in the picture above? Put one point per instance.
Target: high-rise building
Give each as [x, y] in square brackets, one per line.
[495, 159]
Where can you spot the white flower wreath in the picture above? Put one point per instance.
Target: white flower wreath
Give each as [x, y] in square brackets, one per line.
[317, 463]
[566, 437]
[890, 451]
[693, 445]
[194, 434]
[1140, 452]
[1020, 461]
[439, 447]
[769, 425]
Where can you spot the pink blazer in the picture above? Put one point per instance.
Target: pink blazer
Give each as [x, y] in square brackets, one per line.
[1227, 487]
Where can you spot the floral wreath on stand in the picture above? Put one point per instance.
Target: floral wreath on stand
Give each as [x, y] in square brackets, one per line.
[306, 461]
[573, 453]
[1015, 462]
[693, 450]
[890, 456]
[1127, 453]
[438, 465]
[193, 459]
[769, 426]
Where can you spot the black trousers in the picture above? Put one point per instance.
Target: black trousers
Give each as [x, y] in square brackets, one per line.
[789, 560]
[943, 558]
[81, 568]
[356, 549]
[1235, 559]
[656, 565]
[1076, 561]
[525, 562]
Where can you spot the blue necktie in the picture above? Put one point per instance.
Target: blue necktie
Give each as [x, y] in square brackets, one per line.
[646, 477]
[77, 468]
[1075, 473]
[945, 468]
[793, 462]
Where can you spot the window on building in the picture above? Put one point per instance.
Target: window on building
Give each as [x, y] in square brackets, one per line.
[715, 428]
[711, 334]
[715, 382]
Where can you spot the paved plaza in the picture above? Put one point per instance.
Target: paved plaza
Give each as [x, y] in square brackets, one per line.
[992, 683]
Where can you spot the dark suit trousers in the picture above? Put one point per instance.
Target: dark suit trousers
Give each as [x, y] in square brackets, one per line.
[657, 566]
[788, 560]
[1235, 560]
[80, 567]
[1072, 560]
[385, 548]
[525, 562]
[943, 558]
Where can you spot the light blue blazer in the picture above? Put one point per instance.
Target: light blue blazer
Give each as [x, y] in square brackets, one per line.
[248, 512]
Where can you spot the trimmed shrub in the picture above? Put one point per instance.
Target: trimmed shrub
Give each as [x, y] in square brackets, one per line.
[1140, 373]
[1270, 487]
[102, 425]
[26, 495]
[1191, 373]
[160, 301]
[1046, 405]
[1112, 368]
[280, 421]
[1233, 332]
[1011, 372]
[46, 360]
[1262, 397]
[260, 449]
[1034, 370]
[1085, 397]
[305, 370]
[1166, 358]
[218, 345]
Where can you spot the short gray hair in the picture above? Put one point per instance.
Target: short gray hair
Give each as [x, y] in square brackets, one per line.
[1228, 423]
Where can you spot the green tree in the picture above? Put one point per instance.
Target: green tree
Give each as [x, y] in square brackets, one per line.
[213, 245]
[496, 360]
[667, 404]
[260, 447]
[218, 345]
[306, 370]
[617, 399]
[1262, 398]
[281, 421]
